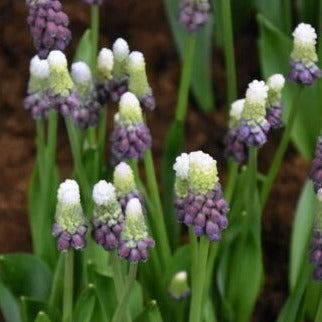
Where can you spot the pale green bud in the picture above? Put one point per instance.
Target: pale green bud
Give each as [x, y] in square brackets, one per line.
[179, 288]
[82, 77]
[105, 63]
[236, 111]
[121, 56]
[181, 168]
[123, 179]
[39, 75]
[275, 85]
[130, 112]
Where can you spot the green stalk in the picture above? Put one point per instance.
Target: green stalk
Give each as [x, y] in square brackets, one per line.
[94, 34]
[158, 217]
[252, 180]
[123, 304]
[199, 278]
[318, 316]
[287, 15]
[229, 51]
[281, 150]
[118, 280]
[320, 32]
[68, 286]
[102, 135]
[41, 148]
[181, 109]
[79, 167]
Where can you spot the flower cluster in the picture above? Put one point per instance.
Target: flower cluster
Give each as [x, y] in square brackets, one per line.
[193, 14]
[70, 225]
[199, 198]
[37, 101]
[316, 244]
[316, 167]
[131, 137]
[48, 25]
[304, 57]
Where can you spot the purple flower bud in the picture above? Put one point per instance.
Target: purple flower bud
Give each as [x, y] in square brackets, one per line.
[148, 102]
[48, 26]
[193, 14]
[316, 167]
[235, 147]
[274, 116]
[116, 88]
[316, 252]
[302, 74]
[38, 104]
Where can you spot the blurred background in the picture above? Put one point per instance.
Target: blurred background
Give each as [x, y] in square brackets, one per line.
[144, 25]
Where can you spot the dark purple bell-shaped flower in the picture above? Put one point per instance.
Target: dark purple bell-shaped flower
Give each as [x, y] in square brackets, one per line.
[48, 25]
[235, 147]
[316, 167]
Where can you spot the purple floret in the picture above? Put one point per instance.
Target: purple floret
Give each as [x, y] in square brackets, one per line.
[316, 167]
[274, 116]
[253, 134]
[302, 74]
[206, 213]
[65, 105]
[49, 26]
[129, 143]
[235, 147]
[316, 252]
[38, 104]
[133, 194]
[148, 102]
[138, 252]
[66, 240]
[116, 88]
[193, 15]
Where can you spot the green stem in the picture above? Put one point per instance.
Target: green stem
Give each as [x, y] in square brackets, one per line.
[318, 316]
[123, 304]
[94, 34]
[181, 109]
[118, 280]
[102, 135]
[79, 167]
[198, 284]
[158, 217]
[233, 174]
[68, 286]
[287, 15]
[229, 51]
[281, 150]
[252, 180]
[320, 32]
[41, 150]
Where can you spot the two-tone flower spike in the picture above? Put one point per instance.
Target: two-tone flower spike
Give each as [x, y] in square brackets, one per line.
[198, 195]
[48, 25]
[316, 167]
[70, 225]
[37, 101]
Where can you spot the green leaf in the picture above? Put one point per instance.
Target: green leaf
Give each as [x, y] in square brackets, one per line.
[274, 51]
[308, 11]
[9, 305]
[42, 317]
[83, 52]
[312, 298]
[30, 308]
[136, 299]
[201, 80]
[85, 304]
[150, 313]
[172, 148]
[302, 231]
[26, 275]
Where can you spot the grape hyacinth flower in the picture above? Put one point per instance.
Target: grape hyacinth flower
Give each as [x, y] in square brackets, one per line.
[105, 62]
[274, 108]
[108, 217]
[198, 195]
[63, 95]
[119, 84]
[234, 146]
[87, 112]
[304, 57]
[131, 137]
[253, 126]
[37, 101]
[135, 242]
[316, 244]
[48, 26]
[138, 83]
[316, 167]
[123, 179]
[193, 14]
[179, 289]
[70, 226]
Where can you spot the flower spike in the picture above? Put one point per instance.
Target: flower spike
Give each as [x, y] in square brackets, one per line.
[316, 167]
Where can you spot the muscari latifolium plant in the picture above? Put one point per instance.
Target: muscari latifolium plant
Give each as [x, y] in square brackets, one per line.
[104, 248]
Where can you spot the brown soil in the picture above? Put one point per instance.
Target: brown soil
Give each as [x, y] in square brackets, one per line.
[143, 24]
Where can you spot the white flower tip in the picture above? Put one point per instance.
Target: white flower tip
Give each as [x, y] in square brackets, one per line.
[39, 67]
[68, 192]
[123, 170]
[181, 166]
[257, 91]
[276, 81]
[181, 276]
[237, 108]
[80, 72]
[120, 48]
[320, 194]
[105, 59]
[203, 160]
[136, 58]
[133, 207]
[103, 193]
[57, 58]
[305, 34]
[129, 99]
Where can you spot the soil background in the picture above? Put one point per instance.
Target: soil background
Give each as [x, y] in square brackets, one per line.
[144, 25]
